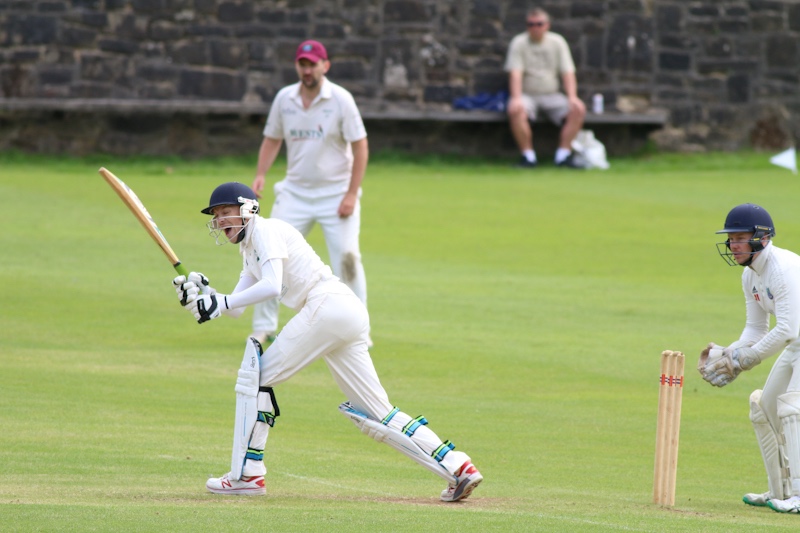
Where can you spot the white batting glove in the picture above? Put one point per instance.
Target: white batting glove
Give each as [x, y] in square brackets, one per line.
[202, 283]
[187, 290]
[208, 307]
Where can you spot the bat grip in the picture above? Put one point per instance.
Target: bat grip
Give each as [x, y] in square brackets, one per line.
[180, 269]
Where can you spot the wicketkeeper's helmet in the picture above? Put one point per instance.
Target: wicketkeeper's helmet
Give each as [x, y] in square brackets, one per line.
[746, 218]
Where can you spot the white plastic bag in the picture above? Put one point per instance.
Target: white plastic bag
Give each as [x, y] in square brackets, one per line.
[590, 149]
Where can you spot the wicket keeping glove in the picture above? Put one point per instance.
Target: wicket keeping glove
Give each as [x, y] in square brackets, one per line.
[724, 367]
[208, 307]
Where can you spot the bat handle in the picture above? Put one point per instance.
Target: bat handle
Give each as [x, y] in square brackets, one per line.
[180, 269]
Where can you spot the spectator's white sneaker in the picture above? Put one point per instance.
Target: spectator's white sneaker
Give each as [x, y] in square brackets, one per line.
[248, 486]
[789, 505]
[468, 478]
[756, 500]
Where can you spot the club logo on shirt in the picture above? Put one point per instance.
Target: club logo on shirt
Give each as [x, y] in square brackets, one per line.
[769, 294]
[307, 135]
[755, 294]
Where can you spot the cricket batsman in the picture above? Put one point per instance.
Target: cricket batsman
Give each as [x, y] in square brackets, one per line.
[771, 285]
[331, 323]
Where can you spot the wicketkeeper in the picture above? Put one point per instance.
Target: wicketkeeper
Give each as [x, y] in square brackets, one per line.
[331, 323]
[771, 284]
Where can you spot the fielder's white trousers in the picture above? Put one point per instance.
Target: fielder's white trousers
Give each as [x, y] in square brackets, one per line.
[341, 238]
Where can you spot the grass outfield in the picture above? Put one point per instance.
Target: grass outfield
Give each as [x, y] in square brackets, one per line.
[522, 312]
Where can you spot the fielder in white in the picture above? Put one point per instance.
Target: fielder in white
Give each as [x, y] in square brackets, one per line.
[327, 153]
[771, 284]
[331, 323]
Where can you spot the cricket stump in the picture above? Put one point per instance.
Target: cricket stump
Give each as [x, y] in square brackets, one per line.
[668, 427]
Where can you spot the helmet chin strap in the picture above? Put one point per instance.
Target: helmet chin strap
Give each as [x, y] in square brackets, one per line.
[242, 233]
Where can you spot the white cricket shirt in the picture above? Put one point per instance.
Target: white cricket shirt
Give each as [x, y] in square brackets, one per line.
[771, 286]
[270, 238]
[319, 156]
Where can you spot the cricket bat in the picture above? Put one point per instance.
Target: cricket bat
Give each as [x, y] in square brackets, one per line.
[140, 212]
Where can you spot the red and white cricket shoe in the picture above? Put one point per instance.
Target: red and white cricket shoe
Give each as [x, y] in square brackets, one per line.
[467, 478]
[247, 486]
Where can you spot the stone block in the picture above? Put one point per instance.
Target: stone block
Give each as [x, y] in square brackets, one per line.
[118, 46]
[735, 26]
[678, 41]
[765, 5]
[736, 11]
[233, 12]
[782, 51]
[674, 61]
[228, 54]
[157, 72]
[704, 11]
[270, 16]
[629, 45]
[207, 30]
[259, 31]
[191, 53]
[299, 33]
[793, 17]
[405, 11]
[211, 85]
[669, 18]
[347, 70]
[443, 94]
[490, 82]
[587, 10]
[326, 31]
[718, 47]
[55, 75]
[738, 86]
[483, 29]
[52, 6]
[767, 23]
[72, 36]
[485, 9]
[162, 30]
[87, 89]
[93, 66]
[32, 29]
[726, 66]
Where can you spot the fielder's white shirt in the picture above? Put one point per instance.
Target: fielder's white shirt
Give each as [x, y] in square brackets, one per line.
[299, 269]
[319, 156]
[771, 286]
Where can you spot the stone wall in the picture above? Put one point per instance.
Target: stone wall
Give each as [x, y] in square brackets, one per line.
[728, 71]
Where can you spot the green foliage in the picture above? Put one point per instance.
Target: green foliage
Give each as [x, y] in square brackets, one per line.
[522, 312]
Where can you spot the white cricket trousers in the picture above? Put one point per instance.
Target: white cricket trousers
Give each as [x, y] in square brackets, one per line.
[334, 325]
[784, 377]
[341, 238]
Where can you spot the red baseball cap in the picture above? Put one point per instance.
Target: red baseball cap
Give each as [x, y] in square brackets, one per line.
[311, 50]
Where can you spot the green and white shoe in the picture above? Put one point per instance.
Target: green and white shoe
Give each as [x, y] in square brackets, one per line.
[789, 505]
[756, 500]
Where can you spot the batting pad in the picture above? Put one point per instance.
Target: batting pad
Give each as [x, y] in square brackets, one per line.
[396, 440]
[789, 413]
[246, 406]
[771, 452]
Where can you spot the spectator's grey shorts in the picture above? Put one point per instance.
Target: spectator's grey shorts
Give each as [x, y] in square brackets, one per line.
[555, 106]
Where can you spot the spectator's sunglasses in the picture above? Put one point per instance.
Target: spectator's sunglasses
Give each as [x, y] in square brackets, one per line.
[537, 24]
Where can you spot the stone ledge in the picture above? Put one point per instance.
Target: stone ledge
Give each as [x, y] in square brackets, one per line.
[220, 107]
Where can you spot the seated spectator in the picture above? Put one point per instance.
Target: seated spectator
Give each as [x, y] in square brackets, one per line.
[536, 59]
